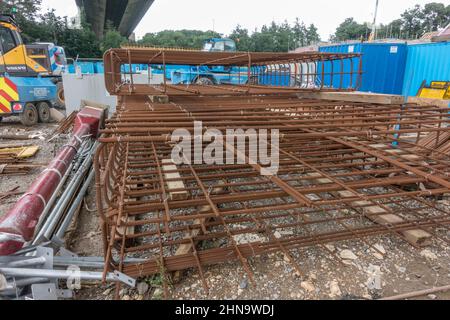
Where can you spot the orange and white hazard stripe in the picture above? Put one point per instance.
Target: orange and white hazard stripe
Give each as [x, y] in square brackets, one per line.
[8, 94]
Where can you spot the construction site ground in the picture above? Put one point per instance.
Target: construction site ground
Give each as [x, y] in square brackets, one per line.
[41, 133]
[355, 272]
[403, 269]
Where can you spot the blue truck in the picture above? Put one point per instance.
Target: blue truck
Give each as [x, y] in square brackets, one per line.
[205, 75]
[273, 75]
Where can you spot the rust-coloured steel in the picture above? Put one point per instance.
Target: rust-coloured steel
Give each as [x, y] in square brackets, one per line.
[305, 71]
[345, 168]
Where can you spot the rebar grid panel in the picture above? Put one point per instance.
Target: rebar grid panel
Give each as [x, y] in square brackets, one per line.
[345, 168]
[242, 73]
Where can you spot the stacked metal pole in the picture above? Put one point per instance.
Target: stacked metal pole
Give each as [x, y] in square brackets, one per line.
[61, 214]
[37, 273]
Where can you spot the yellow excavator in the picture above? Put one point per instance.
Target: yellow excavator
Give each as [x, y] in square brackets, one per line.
[30, 75]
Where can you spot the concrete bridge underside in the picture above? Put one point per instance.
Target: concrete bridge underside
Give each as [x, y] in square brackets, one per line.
[124, 15]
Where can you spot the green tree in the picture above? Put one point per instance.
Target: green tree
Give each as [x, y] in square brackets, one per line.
[300, 33]
[273, 37]
[262, 40]
[48, 27]
[26, 14]
[112, 39]
[435, 15]
[312, 35]
[191, 39]
[351, 30]
[25, 9]
[276, 38]
[80, 43]
[284, 36]
[391, 30]
[395, 28]
[412, 22]
[242, 38]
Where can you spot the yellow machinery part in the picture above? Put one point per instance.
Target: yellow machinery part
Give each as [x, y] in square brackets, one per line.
[433, 93]
[447, 94]
[9, 26]
[438, 84]
[8, 94]
[10, 90]
[17, 56]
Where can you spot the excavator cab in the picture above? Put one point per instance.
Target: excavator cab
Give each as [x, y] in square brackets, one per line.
[14, 55]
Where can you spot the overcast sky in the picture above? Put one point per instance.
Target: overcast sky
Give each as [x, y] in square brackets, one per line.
[224, 15]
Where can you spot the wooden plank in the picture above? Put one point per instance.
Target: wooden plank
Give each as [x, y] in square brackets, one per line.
[131, 230]
[175, 187]
[187, 247]
[159, 98]
[429, 102]
[374, 98]
[13, 145]
[28, 152]
[354, 97]
[400, 153]
[20, 152]
[417, 237]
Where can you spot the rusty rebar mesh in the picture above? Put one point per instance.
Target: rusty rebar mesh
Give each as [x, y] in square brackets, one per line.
[180, 57]
[242, 73]
[340, 177]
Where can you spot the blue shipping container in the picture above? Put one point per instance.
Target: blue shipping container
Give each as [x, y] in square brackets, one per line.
[99, 67]
[383, 66]
[426, 62]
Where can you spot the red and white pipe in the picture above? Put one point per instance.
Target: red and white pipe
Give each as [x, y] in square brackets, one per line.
[18, 225]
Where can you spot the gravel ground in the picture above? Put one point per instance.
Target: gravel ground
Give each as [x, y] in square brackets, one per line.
[365, 276]
[360, 272]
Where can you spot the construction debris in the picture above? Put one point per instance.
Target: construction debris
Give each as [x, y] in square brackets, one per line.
[64, 126]
[12, 159]
[12, 192]
[22, 136]
[419, 293]
[17, 169]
